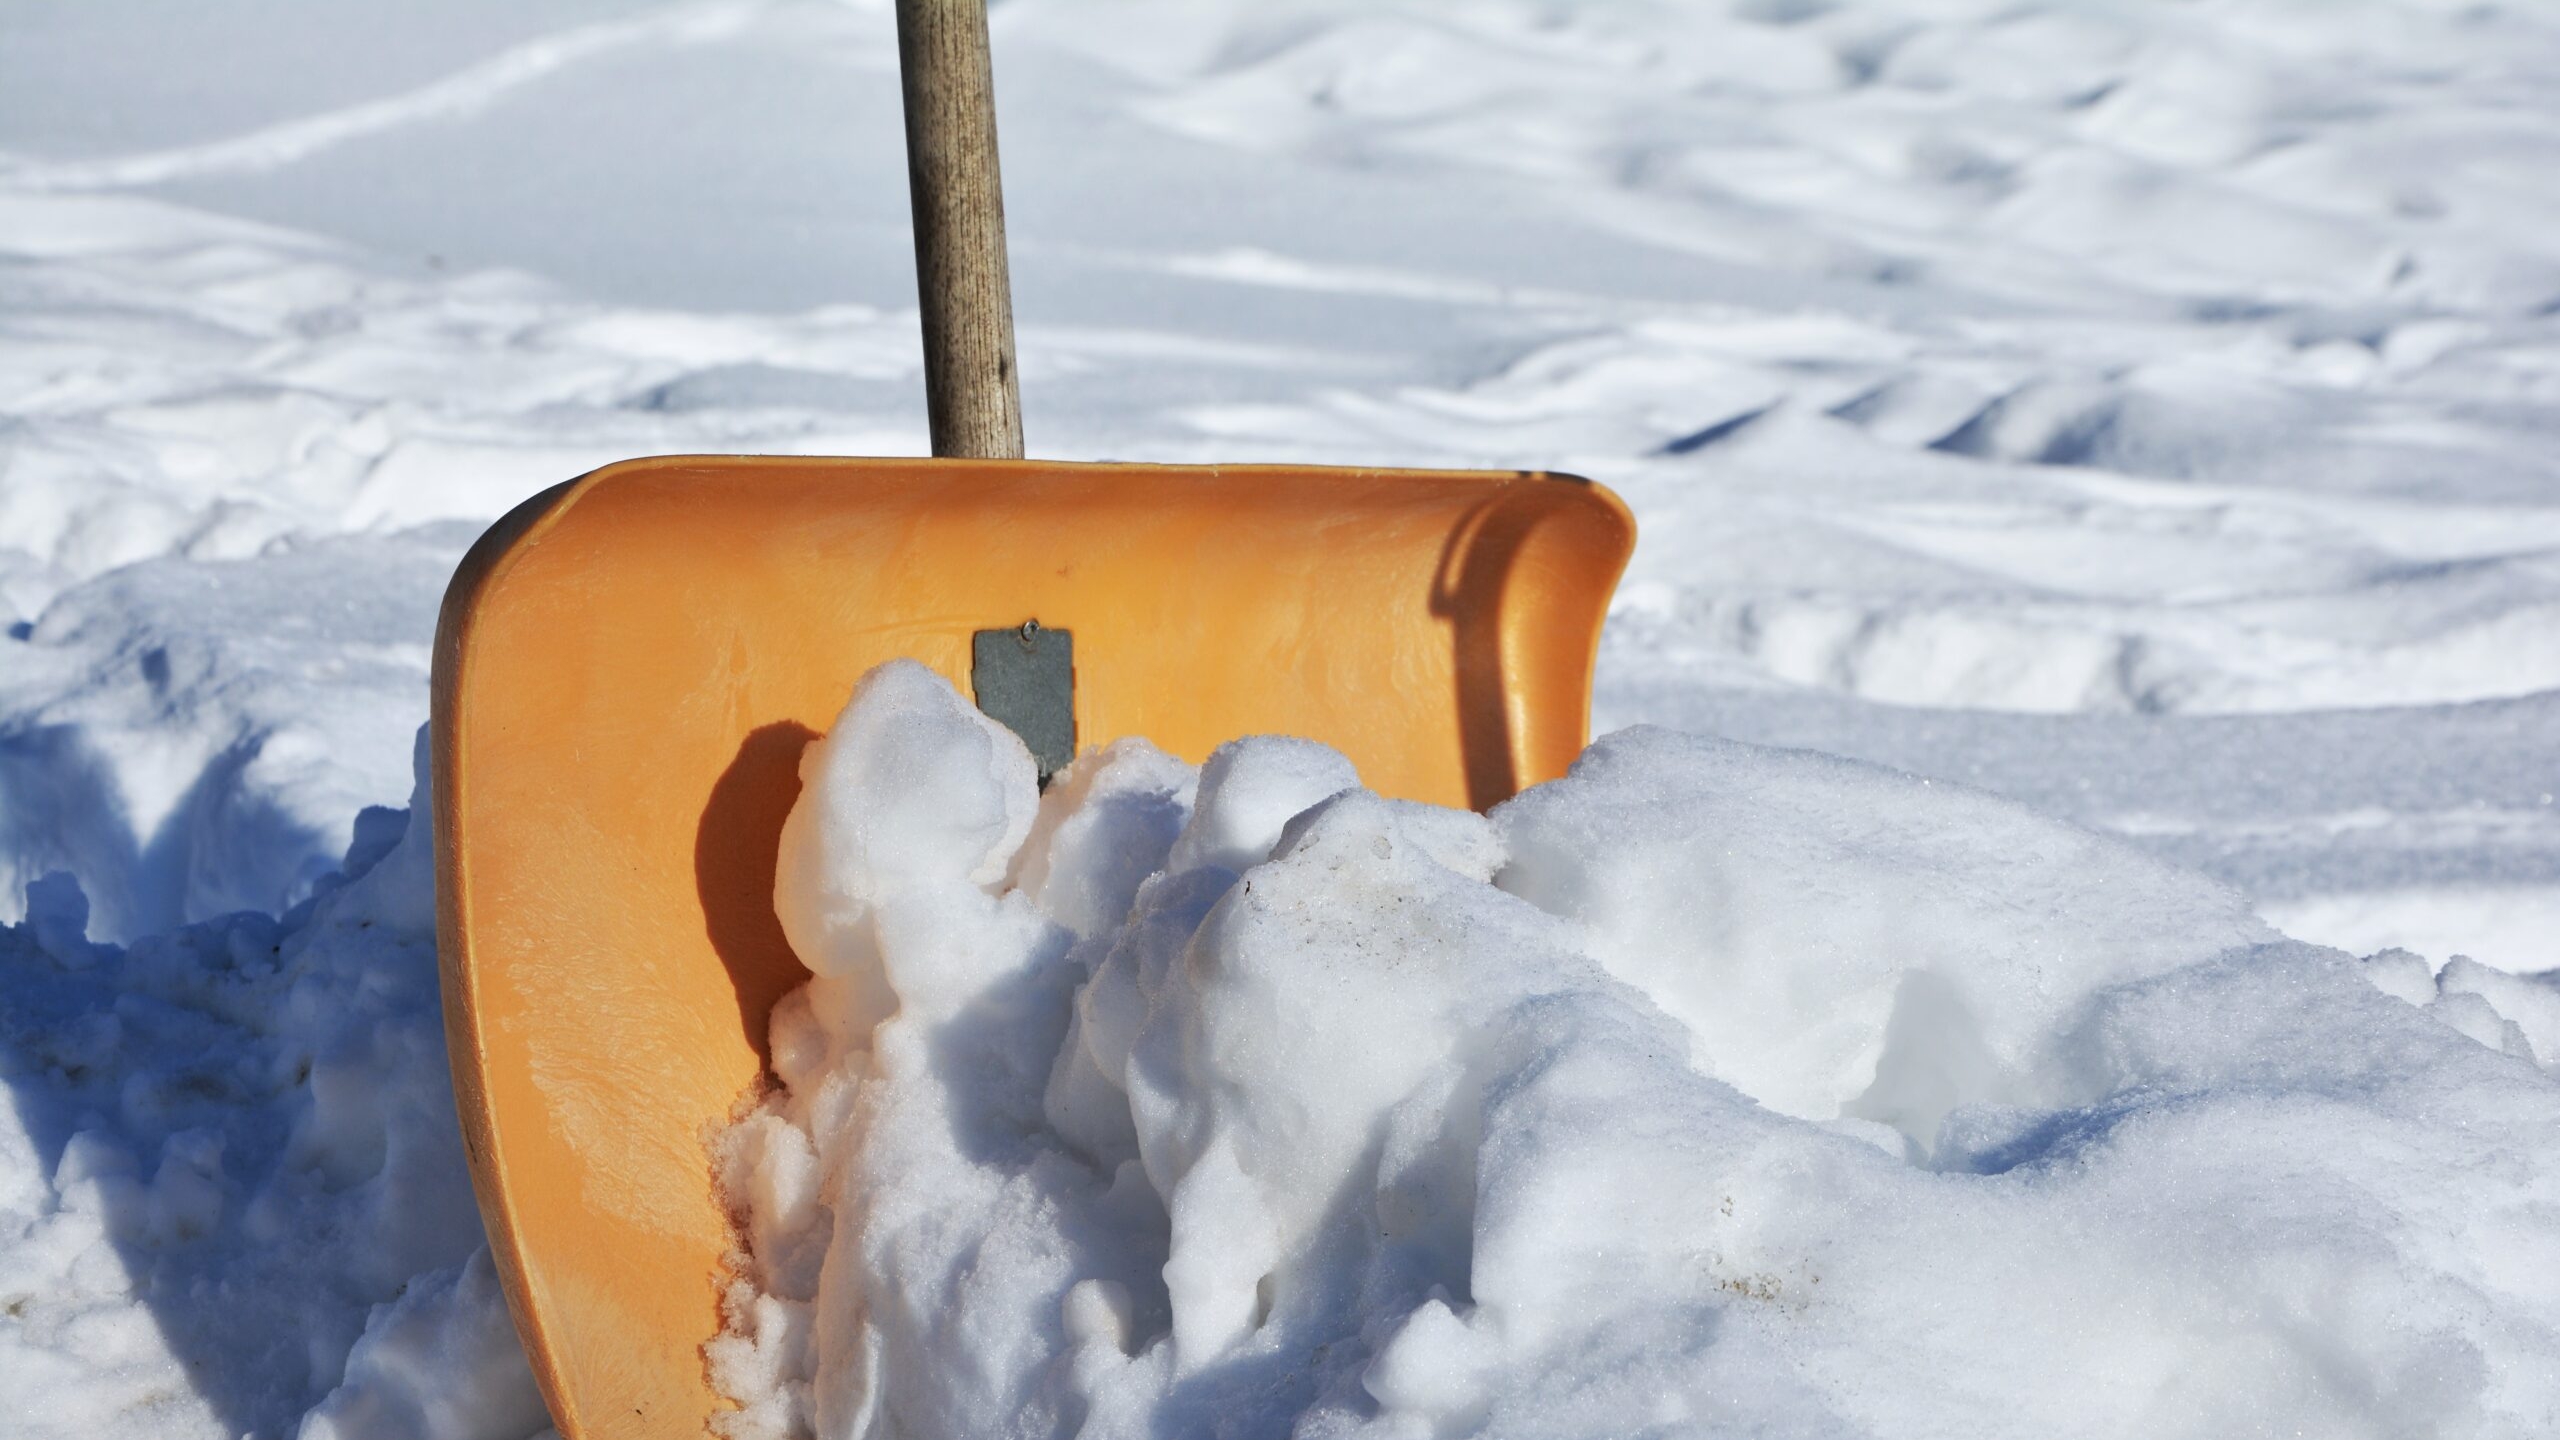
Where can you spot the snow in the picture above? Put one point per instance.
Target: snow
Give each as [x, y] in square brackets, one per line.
[234, 1187]
[1667, 1096]
[2140, 413]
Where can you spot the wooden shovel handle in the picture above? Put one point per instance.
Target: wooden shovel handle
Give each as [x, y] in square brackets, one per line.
[958, 195]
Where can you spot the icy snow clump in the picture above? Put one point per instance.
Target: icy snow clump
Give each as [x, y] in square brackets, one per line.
[1710, 1089]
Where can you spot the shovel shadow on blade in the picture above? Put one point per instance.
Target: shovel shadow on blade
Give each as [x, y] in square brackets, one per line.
[1477, 568]
[735, 850]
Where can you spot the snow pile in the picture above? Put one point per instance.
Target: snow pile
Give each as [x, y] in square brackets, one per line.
[1711, 1087]
[235, 1191]
[2140, 411]
[2144, 413]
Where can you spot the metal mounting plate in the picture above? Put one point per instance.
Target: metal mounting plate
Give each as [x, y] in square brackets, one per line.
[1025, 679]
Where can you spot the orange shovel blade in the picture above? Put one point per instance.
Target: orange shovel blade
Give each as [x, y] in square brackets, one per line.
[628, 667]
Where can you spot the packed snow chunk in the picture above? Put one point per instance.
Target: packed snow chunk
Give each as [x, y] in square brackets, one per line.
[914, 801]
[1710, 1089]
[1250, 790]
[1324, 1029]
[2519, 1014]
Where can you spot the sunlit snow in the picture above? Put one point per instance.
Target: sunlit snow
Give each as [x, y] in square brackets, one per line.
[2135, 427]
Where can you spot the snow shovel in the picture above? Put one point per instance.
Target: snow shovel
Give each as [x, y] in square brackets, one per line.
[629, 665]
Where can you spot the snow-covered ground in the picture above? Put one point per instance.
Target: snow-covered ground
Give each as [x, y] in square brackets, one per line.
[2143, 411]
[1711, 1090]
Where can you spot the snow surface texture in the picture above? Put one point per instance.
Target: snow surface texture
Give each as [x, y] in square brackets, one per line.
[235, 1187]
[2141, 411]
[1712, 1089]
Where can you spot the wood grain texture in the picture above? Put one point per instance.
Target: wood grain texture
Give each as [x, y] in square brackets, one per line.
[958, 196]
